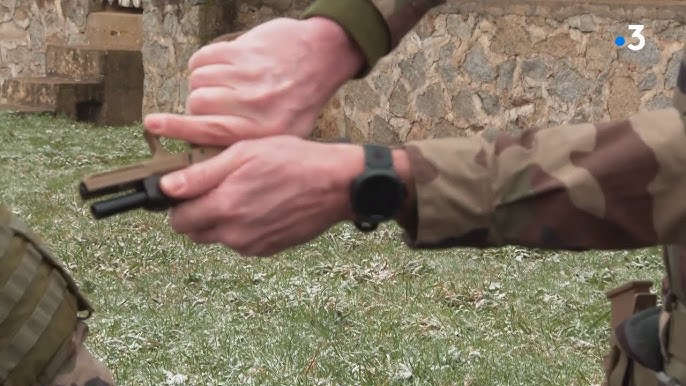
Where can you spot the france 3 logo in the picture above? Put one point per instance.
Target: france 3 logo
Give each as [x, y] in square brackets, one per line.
[621, 41]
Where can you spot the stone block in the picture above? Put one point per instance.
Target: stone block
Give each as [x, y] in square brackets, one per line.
[74, 62]
[64, 94]
[115, 30]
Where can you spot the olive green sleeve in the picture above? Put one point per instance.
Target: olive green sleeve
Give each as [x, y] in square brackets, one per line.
[362, 22]
[375, 25]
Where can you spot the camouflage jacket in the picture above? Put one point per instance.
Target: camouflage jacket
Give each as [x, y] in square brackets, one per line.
[607, 185]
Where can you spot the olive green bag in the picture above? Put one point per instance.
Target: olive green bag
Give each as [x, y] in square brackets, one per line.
[39, 306]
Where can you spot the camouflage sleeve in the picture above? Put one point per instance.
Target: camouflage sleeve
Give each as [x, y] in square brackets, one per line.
[619, 184]
[375, 25]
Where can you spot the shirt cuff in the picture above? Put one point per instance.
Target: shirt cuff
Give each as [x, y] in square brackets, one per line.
[451, 178]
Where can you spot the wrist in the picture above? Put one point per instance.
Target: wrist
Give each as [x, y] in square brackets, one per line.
[350, 163]
[340, 56]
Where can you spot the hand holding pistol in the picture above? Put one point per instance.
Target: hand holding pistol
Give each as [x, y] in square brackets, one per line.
[139, 184]
[142, 180]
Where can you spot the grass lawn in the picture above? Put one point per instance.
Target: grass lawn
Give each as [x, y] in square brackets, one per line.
[344, 309]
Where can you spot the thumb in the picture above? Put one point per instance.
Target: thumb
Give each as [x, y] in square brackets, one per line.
[199, 178]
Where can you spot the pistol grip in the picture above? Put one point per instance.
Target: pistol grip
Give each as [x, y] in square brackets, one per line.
[157, 201]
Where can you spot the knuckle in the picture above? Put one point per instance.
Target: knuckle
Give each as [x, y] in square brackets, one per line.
[203, 54]
[214, 75]
[194, 99]
[196, 79]
[217, 128]
[255, 246]
[250, 251]
[232, 242]
[261, 98]
[196, 237]
[198, 100]
[238, 242]
[254, 73]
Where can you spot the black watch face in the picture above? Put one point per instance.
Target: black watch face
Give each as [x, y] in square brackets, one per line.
[378, 197]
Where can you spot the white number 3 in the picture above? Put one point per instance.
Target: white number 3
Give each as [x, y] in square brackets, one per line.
[637, 28]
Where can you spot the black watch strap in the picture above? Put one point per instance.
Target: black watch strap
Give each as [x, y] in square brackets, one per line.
[376, 157]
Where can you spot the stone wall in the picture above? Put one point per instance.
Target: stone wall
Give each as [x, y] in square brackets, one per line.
[27, 26]
[173, 30]
[472, 67]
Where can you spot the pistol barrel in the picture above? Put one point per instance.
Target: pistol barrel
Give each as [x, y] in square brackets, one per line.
[117, 205]
[141, 179]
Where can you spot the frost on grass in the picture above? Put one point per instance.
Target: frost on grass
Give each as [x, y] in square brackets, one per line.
[174, 379]
[403, 372]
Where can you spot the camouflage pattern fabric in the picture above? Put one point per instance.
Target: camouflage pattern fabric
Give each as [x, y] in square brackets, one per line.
[41, 315]
[609, 185]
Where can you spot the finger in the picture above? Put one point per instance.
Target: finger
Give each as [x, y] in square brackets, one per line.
[225, 75]
[205, 236]
[199, 216]
[221, 52]
[217, 235]
[213, 75]
[199, 179]
[216, 130]
[215, 100]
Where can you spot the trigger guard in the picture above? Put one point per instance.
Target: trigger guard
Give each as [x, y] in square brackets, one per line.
[154, 144]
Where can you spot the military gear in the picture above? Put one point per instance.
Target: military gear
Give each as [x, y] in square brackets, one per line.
[41, 314]
[610, 185]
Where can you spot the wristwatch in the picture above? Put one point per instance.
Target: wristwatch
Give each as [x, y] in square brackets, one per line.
[377, 194]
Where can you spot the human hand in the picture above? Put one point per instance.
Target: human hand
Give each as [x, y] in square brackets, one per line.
[272, 80]
[262, 196]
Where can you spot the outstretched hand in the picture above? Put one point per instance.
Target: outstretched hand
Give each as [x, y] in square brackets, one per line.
[272, 80]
